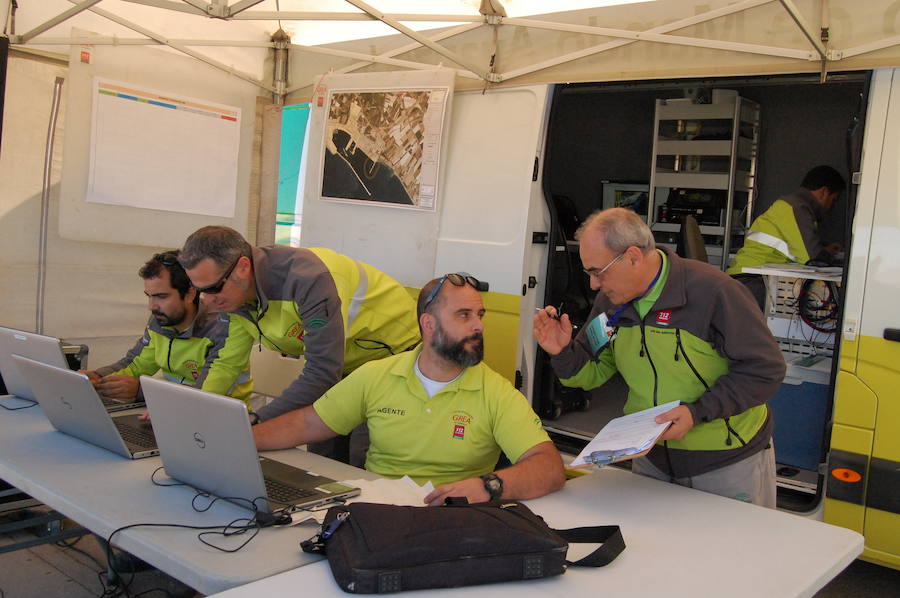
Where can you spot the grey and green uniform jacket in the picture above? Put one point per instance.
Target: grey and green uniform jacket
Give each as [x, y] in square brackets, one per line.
[335, 311]
[702, 341]
[787, 232]
[213, 354]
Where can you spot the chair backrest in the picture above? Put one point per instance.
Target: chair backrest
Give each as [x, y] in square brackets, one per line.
[567, 215]
[272, 372]
[690, 241]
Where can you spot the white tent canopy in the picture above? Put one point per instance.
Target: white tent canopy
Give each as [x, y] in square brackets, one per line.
[489, 42]
[223, 50]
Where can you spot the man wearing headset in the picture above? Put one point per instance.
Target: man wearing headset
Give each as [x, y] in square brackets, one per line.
[336, 311]
[191, 346]
[675, 329]
[436, 413]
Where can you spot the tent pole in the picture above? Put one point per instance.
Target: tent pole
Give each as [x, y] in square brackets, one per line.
[45, 207]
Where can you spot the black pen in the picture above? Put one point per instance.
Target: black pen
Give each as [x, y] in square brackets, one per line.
[555, 316]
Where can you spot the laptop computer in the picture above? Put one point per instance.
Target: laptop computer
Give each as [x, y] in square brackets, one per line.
[205, 441]
[46, 349]
[73, 406]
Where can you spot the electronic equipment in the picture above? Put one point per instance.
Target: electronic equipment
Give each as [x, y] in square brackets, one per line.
[706, 205]
[206, 442]
[73, 406]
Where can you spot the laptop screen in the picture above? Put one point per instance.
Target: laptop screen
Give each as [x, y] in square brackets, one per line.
[205, 441]
[38, 347]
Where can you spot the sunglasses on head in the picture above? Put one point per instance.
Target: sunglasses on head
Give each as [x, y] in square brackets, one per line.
[457, 279]
[166, 259]
[216, 287]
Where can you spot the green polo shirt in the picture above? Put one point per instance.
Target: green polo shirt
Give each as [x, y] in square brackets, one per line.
[454, 435]
[643, 305]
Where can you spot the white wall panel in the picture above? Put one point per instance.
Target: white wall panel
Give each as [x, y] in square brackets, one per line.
[882, 282]
[495, 139]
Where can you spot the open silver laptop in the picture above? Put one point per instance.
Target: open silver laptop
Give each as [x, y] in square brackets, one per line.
[73, 407]
[205, 441]
[46, 349]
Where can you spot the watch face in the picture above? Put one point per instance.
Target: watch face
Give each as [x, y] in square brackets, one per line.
[493, 484]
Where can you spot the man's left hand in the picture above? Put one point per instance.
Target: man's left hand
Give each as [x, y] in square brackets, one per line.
[472, 489]
[682, 422]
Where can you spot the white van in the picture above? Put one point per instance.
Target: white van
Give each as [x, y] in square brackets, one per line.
[526, 165]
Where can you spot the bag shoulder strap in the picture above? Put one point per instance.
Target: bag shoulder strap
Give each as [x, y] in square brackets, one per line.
[610, 536]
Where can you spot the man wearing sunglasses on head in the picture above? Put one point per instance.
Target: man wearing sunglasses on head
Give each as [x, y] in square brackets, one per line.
[335, 311]
[436, 413]
[676, 330]
[190, 345]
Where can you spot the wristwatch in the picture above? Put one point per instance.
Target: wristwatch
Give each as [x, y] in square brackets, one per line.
[254, 419]
[493, 484]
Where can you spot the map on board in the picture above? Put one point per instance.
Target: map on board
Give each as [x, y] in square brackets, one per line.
[384, 146]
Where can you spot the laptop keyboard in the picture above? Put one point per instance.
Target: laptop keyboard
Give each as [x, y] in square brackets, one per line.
[111, 403]
[119, 404]
[280, 492]
[142, 438]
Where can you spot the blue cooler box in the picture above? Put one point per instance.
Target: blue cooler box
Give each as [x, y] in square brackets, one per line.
[800, 412]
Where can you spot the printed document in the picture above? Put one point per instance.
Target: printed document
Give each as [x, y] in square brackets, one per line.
[625, 437]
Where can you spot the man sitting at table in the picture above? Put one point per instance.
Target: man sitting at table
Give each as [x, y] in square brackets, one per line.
[189, 343]
[436, 413]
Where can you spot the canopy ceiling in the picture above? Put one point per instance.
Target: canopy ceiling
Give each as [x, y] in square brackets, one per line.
[487, 42]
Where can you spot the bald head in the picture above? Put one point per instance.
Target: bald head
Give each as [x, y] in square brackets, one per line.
[617, 229]
[618, 253]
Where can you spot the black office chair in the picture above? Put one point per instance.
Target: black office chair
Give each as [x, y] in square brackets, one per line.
[690, 241]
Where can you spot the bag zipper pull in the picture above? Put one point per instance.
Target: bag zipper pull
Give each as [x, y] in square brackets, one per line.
[332, 527]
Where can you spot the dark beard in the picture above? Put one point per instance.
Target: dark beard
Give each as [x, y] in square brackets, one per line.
[455, 351]
[165, 320]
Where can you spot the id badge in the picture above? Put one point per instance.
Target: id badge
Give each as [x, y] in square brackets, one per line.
[599, 333]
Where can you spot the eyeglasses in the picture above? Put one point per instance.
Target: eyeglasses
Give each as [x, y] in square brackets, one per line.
[598, 274]
[166, 259]
[216, 287]
[457, 279]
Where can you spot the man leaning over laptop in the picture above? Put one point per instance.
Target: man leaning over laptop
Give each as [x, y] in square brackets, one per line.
[189, 344]
[435, 413]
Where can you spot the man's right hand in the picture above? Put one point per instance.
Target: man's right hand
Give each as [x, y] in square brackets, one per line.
[552, 334]
[118, 386]
[93, 376]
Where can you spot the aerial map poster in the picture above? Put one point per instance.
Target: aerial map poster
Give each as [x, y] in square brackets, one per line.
[383, 147]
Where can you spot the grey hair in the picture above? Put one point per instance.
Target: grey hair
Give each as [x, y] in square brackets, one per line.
[221, 244]
[619, 229]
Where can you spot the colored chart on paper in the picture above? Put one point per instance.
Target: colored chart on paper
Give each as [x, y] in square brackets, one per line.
[158, 150]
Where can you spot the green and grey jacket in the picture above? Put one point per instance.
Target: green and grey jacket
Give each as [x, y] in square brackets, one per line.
[213, 354]
[787, 232]
[703, 342]
[335, 311]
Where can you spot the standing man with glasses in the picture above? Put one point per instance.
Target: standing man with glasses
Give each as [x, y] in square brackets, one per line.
[437, 413]
[337, 312]
[675, 329]
[210, 351]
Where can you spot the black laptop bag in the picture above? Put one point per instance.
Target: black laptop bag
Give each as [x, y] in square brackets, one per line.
[376, 548]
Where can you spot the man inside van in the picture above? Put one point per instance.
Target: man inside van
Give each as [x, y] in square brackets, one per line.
[335, 311]
[676, 330]
[436, 413]
[788, 232]
[191, 346]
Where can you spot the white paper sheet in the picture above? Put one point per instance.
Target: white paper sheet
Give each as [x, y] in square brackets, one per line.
[403, 491]
[631, 434]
